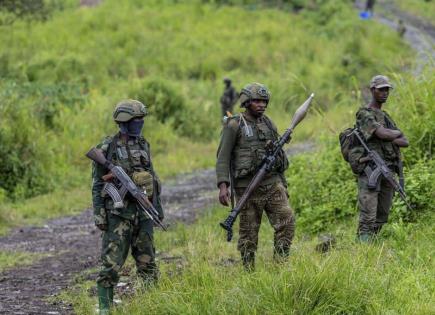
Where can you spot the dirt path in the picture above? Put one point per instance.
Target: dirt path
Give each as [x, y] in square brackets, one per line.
[420, 34]
[73, 244]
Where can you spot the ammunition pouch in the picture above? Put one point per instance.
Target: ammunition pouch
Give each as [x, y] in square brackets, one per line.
[243, 163]
[145, 181]
[281, 164]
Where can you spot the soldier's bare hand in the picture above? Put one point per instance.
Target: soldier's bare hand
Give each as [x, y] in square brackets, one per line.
[224, 195]
[102, 227]
[108, 177]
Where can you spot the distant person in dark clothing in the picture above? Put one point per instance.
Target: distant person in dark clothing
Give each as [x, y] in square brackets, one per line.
[369, 6]
[401, 28]
[228, 98]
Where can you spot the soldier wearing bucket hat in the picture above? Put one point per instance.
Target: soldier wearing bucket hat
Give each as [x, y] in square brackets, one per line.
[382, 135]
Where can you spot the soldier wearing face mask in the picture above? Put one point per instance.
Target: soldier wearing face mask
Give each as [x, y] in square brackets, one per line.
[127, 227]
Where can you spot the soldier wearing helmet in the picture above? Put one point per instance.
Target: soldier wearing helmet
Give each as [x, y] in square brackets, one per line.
[228, 98]
[383, 136]
[241, 150]
[125, 227]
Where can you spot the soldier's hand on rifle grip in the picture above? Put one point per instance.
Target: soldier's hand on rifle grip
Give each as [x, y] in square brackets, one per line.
[108, 177]
[102, 227]
[288, 140]
[224, 194]
[269, 145]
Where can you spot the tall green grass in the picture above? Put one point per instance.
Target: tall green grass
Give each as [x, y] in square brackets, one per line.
[202, 274]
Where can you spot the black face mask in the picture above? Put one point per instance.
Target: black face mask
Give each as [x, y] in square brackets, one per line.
[133, 127]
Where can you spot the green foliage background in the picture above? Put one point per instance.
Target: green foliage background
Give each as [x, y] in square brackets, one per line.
[326, 193]
[61, 79]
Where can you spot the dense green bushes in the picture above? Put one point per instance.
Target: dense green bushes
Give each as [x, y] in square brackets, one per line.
[70, 71]
[326, 192]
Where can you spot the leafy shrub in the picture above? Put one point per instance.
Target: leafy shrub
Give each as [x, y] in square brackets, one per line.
[161, 97]
[322, 187]
[23, 159]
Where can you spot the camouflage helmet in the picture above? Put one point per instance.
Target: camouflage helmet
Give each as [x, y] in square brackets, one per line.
[254, 91]
[129, 109]
[227, 80]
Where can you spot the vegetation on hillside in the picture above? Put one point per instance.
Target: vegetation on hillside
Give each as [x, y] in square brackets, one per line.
[61, 79]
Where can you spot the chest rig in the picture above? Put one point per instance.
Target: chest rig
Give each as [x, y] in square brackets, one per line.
[132, 155]
[387, 150]
[250, 147]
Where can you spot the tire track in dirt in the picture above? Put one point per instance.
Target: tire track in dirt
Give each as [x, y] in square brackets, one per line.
[73, 245]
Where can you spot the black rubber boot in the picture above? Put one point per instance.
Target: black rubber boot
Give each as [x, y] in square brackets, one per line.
[105, 299]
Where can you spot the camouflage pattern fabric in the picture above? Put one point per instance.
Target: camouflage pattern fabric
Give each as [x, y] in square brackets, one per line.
[374, 206]
[117, 240]
[274, 201]
[242, 145]
[134, 157]
[129, 226]
[368, 120]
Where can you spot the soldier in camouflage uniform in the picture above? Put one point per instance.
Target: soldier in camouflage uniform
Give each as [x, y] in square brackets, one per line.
[381, 135]
[129, 226]
[228, 98]
[241, 150]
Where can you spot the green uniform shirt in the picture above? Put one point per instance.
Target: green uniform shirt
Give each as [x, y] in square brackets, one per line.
[368, 120]
[241, 153]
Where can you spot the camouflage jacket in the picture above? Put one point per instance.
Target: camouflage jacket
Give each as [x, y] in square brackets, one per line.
[368, 120]
[241, 154]
[133, 156]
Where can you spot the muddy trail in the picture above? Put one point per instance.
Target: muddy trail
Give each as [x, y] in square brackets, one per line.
[71, 245]
[420, 34]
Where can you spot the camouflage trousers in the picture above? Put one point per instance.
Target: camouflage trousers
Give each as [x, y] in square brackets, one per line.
[117, 240]
[374, 205]
[274, 201]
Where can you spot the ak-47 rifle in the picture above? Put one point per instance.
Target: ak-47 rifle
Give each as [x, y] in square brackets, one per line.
[374, 176]
[265, 167]
[126, 186]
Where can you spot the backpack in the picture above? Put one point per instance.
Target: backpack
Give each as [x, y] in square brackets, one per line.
[347, 142]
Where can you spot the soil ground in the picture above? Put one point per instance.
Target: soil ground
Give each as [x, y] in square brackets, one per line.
[73, 245]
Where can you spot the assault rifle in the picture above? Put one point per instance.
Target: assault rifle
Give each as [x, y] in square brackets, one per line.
[374, 176]
[265, 167]
[126, 186]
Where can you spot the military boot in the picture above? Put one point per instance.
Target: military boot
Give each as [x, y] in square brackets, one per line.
[150, 276]
[281, 255]
[105, 299]
[364, 238]
[248, 260]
